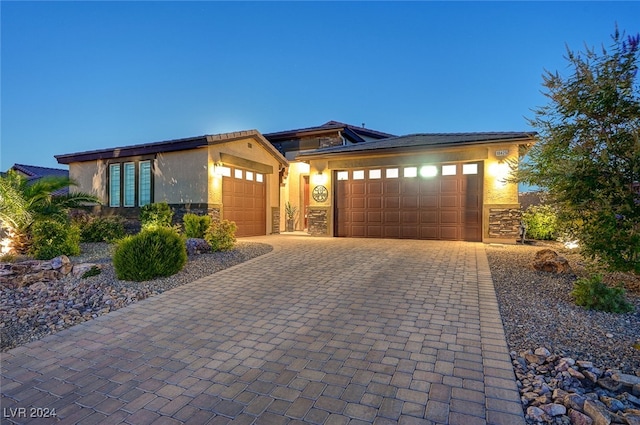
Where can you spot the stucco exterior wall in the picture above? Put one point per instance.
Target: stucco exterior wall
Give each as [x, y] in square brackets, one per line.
[292, 191]
[181, 177]
[91, 177]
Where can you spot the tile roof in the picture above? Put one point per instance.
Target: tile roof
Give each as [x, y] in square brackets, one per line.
[329, 125]
[35, 171]
[169, 146]
[426, 140]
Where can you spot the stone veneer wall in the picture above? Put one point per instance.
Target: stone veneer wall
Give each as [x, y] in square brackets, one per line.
[275, 220]
[504, 222]
[318, 221]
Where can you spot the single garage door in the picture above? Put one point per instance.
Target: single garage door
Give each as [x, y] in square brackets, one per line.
[244, 201]
[441, 201]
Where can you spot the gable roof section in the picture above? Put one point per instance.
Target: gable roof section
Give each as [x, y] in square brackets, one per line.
[35, 171]
[171, 146]
[424, 141]
[354, 133]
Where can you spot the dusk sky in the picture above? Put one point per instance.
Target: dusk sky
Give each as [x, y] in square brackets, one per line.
[80, 76]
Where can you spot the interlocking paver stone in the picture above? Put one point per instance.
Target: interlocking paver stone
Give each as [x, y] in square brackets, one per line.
[321, 330]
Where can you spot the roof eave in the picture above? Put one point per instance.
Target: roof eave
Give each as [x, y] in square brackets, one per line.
[407, 149]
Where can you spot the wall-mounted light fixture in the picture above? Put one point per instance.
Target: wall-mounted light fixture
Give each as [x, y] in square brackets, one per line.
[319, 178]
[221, 170]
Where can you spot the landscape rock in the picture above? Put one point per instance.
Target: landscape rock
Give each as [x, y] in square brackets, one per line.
[82, 268]
[554, 409]
[597, 411]
[579, 418]
[536, 414]
[548, 260]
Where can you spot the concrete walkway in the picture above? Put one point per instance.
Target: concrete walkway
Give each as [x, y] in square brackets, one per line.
[321, 330]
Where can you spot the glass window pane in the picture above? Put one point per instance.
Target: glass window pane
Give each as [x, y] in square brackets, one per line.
[469, 168]
[428, 171]
[449, 170]
[375, 174]
[392, 173]
[238, 174]
[249, 175]
[343, 175]
[144, 193]
[114, 185]
[410, 171]
[129, 184]
[358, 175]
[259, 177]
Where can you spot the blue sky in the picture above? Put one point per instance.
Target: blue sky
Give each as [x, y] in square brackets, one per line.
[80, 76]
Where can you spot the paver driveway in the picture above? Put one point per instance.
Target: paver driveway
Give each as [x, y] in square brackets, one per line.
[321, 330]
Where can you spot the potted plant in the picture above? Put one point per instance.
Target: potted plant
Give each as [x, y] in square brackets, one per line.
[290, 214]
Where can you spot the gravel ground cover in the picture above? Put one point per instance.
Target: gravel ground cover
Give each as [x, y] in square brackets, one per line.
[538, 311]
[31, 312]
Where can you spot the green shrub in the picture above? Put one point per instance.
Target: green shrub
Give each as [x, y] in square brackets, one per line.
[593, 294]
[156, 215]
[541, 222]
[221, 235]
[195, 226]
[51, 238]
[102, 229]
[154, 252]
[93, 271]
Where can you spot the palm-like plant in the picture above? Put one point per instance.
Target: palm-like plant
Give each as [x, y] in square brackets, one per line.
[22, 202]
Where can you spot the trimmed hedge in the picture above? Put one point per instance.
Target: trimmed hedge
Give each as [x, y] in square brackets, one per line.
[156, 215]
[154, 252]
[195, 226]
[102, 229]
[221, 235]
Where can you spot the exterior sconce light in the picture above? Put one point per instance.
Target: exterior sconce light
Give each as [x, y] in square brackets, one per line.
[319, 178]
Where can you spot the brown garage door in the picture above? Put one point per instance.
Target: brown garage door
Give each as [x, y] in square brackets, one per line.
[414, 202]
[244, 201]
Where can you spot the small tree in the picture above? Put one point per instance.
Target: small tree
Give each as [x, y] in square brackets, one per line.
[588, 154]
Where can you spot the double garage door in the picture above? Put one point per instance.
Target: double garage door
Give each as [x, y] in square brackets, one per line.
[413, 202]
[244, 201]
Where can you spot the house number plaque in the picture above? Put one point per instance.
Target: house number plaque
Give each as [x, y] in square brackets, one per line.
[320, 193]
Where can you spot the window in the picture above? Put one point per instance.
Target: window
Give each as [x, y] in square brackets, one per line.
[429, 171]
[129, 180]
[343, 175]
[469, 168]
[259, 178]
[392, 173]
[358, 175]
[449, 170]
[410, 171]
[114, 185]
[129, 184]
[237, 173]
[144, 191]
[249, 175]
[375, 174]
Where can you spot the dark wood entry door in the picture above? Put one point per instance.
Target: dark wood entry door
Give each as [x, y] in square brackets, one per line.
[244, 201]
[410, 202]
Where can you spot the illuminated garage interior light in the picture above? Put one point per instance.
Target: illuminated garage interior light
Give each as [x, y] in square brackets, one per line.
[469, 168]
[410, 171]
[429, 171]
[449, 170]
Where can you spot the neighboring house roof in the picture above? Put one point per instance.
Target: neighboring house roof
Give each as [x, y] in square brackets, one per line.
[34, 173]
[425, 141]
[354, 133]
[170, 146]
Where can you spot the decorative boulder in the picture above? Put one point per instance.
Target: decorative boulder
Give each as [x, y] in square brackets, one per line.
[547, 260]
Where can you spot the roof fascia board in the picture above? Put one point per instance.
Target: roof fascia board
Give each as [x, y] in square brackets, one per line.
[409, 149]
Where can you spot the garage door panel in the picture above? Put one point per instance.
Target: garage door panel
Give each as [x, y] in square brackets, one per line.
[244, 202]
[450, 201]
[392, 217]
[374, 217]
[391, 203]
[429, 201]
[449, 217]
[449, 232]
